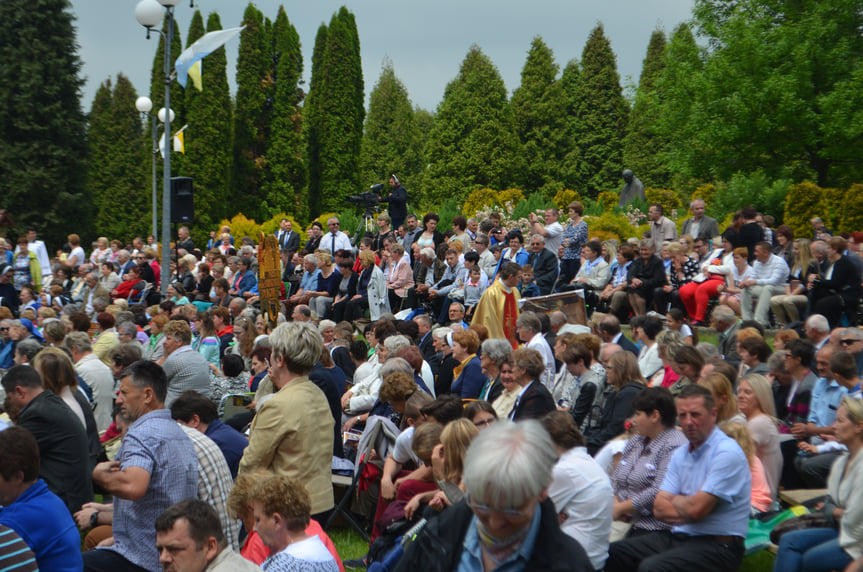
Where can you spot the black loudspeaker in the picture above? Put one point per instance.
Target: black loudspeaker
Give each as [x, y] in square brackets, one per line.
[182, 201]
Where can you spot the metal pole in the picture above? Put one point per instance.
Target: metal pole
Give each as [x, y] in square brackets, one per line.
[166, 182]
[155, 151]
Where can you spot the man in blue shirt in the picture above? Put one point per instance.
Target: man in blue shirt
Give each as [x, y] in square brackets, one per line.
[38, 516]
[156, 467]
[705, 497]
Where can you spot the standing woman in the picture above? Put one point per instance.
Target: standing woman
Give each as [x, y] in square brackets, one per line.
[430, 237]
[755, 400]
[288, 435]
[400, 276]
[378, 300]
[574, 237]
[828, 548]
[26, 267]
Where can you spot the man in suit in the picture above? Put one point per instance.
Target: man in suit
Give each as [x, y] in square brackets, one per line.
[646, 273]
[725, 322]
[424, 332]
[609, 331]
[185, 243]
[544, 264]
[534, 400]
[93, 291]
[700, 226]
[288, 239]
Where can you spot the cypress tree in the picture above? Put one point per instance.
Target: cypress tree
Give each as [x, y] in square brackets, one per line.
[539, 106]
[253, 111]
[157, 91]
[391, 143]
[473, 141]
[125, 205]
[208, 137]
[285, 188]
[602, 115]
[644, 147]
[42, 127]
[338, 113]
[571, 169]
[313, 122]
[99, 140]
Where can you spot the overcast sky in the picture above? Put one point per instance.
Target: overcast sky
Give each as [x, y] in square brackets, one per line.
[426, 41]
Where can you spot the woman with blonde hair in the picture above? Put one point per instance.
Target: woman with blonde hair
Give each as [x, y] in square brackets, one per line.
[761, 500]
[755, 400]
[723, 395]
[244, 335]
[790, 306]
[155, 349]
[327, 287]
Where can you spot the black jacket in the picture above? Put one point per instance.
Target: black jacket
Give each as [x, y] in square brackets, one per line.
[615, 413]
[439, 546]
[544, 269]
[651, 274]
[65, 463]
[398, 202]
[535, 402]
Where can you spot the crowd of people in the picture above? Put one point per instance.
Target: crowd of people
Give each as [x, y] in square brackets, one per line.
[519, 440]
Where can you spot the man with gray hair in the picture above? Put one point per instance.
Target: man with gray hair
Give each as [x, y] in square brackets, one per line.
[95, 373]
[700, 226]
[851, 341]
[487, 263]
[308, 283]
[529, 330]
[184, 367]
[26, 350]
[725, 322]
[506, 507]
[544, 263]
[817, 330]
[124, 263]
[93, 292]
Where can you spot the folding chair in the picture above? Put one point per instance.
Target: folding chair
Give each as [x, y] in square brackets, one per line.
[380, 434]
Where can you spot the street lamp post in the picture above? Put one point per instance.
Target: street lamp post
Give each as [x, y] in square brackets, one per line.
[149, 14]
[144, 106]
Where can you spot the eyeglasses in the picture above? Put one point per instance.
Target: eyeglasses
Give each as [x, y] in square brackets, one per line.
[848, 342]
[4, 329]
[486, 511]
[333, 224]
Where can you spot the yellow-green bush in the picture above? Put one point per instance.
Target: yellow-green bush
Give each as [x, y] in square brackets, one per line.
[804, 201]
[616, 224]
[242, 226]
[565, 196]
[667, 198]
[608, 200]
[852, 215]
[511, 196]
[479, 199]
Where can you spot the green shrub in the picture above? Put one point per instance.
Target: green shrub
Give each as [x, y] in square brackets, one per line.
[757, 190]
[608, 200]
[852, 215]
[667, 198]
[802, 203]
[564, 197]
[479, 199]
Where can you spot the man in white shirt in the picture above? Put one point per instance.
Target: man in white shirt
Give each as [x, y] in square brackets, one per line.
[529, 330]
[487, 262]
[662, 228]
[551, 231]
[769, 274]
[335, 240]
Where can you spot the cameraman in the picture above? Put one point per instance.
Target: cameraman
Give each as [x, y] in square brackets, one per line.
[398, 201]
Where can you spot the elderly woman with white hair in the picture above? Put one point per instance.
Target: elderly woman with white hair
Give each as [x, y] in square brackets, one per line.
[506, 519]
[292, 431]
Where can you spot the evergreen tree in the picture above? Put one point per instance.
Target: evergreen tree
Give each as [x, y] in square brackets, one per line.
[42, 127]
[571, 170]
[313, 122]
[391, 143]
[126, 202]
[539, 107]
[473, 141]
[208, 137]
[337, 115]
[285, 188]
[644, 148]
[100, 141]
[602, 115]
[253, 112]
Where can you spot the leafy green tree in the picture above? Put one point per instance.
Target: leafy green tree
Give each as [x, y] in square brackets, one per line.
[43, 141]
[602, 115]
[473, 141]
[313, 122]
[644, 147]
[284, 190]
[779, 90]
[208, 137]
[123, 205]
[539, 106]
[336, 99]
[571, 169]
[391, 143]
[253, 112]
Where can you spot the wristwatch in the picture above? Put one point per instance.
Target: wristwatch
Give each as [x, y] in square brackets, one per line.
[94, 519]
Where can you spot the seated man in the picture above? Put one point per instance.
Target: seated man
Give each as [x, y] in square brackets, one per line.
[705, 497]
[508, 508]
[185, 368]
[38, 516]
[189, 537]
[769, 274]
[646, 273]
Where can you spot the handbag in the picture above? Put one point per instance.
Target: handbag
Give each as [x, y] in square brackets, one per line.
[802, 522]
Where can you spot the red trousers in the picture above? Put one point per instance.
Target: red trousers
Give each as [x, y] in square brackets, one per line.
[696, 296]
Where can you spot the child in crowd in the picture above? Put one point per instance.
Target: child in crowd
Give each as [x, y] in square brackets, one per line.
[528, 287]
